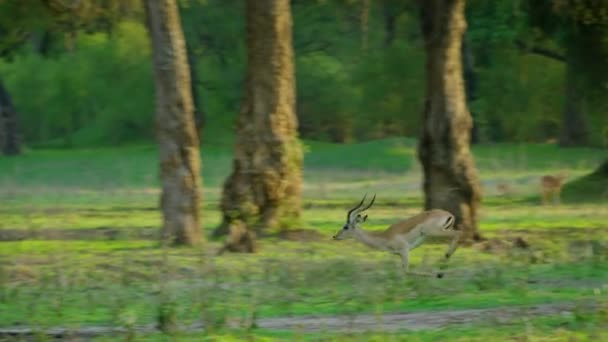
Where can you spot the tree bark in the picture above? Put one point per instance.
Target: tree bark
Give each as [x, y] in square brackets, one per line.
[470, 83]
[264, 187]
[199, 114]
[450, 177]
[175, 126]
[10, 142]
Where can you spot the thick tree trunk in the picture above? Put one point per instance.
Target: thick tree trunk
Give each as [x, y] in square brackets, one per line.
[574, 124]
[10, 142]
[175, 127]
[450, 177]
[264, 187]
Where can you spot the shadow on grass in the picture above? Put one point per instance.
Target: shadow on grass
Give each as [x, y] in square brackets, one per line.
[591, 188]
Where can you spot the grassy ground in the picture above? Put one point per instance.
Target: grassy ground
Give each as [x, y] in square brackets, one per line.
[90, 254]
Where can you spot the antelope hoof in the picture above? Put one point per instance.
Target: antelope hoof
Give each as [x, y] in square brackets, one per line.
[440, 275]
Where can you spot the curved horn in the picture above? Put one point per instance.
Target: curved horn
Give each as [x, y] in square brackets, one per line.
[356, 207]
[370, 204]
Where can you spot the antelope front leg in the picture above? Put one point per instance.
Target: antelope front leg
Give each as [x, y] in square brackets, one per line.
[453, 244]
[406, 267]
[451, 249]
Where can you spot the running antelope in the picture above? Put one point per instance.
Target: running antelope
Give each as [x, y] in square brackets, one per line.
[551, 186]
[401, 237]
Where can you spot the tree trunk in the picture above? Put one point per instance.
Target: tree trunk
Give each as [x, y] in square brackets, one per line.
[450, 177]
[199, 115]
[10, 142]
[175, 127]
[264, 187]
[470, 83]
[574, 123]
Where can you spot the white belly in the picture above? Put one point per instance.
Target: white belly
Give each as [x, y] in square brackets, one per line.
[417, 242]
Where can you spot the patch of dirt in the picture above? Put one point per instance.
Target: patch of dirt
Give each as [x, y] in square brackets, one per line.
[344, 323]
[412, 321]
[496, 245]
[101, 233]
[82, 211]
[301, 235]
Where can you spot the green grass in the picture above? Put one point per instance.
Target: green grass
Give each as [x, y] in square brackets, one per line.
[590, 187]
[84, 276]
[54, 283]
[135, 166]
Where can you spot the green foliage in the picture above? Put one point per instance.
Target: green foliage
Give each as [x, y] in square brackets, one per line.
[326, 98]
[100, 94]
[391, 87]
[219, 50]
[531, 109]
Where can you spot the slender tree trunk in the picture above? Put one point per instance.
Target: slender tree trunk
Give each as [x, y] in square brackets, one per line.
[390, 22]
[450, 177]
[41, 42]
[175, 127]
[264, 187]
[10, 142]
[574, 123]
[365, 6]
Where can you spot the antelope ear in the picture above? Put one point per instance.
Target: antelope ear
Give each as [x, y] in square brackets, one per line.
[364, 218]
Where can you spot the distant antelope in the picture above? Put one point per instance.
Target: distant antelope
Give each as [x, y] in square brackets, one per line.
[504, 189]
[551, 187]
[403, 236]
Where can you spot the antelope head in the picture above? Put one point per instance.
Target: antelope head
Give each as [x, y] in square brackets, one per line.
[354, 219]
